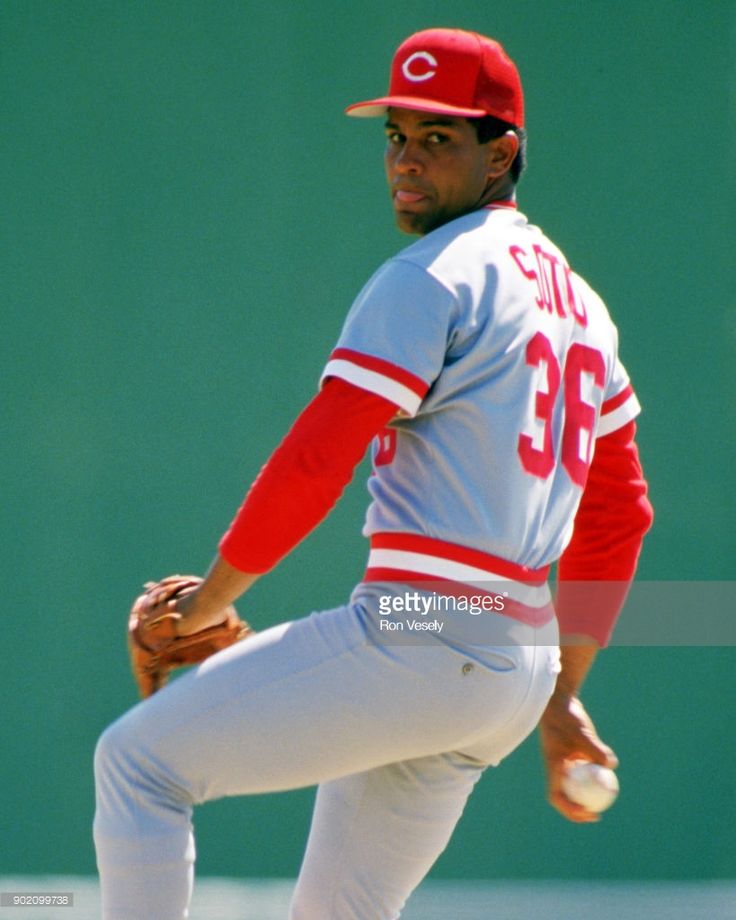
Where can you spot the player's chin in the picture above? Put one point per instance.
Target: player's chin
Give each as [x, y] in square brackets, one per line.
[414, 221]
[408, 221]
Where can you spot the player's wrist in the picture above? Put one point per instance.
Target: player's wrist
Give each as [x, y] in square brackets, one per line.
[196, 614]
[558, 711]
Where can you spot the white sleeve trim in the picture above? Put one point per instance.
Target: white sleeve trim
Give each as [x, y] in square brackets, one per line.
[616, 419]
[374, 382]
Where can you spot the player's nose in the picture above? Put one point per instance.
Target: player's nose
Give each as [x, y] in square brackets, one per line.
[407, 159]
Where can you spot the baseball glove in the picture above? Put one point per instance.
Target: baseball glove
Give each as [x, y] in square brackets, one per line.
[155, 649]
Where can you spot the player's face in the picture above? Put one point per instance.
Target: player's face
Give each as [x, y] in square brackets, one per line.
[436, 168]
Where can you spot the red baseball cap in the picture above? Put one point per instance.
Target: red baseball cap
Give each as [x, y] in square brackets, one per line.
[451, 72]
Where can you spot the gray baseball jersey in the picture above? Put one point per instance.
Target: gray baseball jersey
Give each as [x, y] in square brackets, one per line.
[504, 365]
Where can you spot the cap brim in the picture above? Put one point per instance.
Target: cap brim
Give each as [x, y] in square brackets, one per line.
[374, 108]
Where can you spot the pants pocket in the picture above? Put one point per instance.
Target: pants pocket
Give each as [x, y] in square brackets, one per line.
[497, 660]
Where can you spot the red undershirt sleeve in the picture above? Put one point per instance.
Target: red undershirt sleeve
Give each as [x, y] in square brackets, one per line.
[596, 569]
[305, 475]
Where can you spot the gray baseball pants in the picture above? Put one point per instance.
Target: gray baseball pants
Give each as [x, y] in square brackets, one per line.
[395, 732]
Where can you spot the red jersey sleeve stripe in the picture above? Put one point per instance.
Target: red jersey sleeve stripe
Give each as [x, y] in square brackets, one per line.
[618, 400]
[380, 366]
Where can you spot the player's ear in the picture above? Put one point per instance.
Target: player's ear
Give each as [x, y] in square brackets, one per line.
[501, 153]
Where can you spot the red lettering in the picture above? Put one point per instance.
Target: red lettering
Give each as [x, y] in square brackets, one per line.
[574, 302]
[540, 461]
[516, 252]
[544, 300]
[579, 415]
[548, 271]
[555, 294]
[386, 447]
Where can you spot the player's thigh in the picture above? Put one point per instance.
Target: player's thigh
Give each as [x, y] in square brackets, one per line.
[252, 718]
[297, 705]
[375, 835]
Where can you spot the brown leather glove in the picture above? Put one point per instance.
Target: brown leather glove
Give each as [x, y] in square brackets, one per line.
[155, 649]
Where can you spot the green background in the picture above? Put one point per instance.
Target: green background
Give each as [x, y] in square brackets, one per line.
[186, 217]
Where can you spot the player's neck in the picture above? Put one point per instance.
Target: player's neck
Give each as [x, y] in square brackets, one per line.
[501, 189]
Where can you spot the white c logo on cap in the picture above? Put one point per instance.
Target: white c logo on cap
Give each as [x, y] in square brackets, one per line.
[419, 56]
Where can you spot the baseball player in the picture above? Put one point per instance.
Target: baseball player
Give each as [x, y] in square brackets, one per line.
[484, 372]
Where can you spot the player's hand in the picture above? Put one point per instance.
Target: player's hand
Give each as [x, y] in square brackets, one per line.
[161, 638]
[160, 595]
[180, 595]
[567, 733]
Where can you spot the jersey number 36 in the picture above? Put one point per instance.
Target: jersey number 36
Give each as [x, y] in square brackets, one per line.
[579, 415]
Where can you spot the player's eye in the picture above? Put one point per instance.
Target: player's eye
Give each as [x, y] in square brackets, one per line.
[436, 137]
[394, 137]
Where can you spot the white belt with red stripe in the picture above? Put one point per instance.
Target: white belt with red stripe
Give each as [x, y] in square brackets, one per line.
[449, 568]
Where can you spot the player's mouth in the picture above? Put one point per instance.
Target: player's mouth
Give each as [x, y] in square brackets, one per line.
[403, 197]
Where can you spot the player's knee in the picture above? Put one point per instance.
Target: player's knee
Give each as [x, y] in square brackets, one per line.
[112, 746]
[125, 768]
[120, 758]
[113, 783]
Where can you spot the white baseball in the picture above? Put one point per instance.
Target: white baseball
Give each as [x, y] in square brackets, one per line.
[590, 785]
